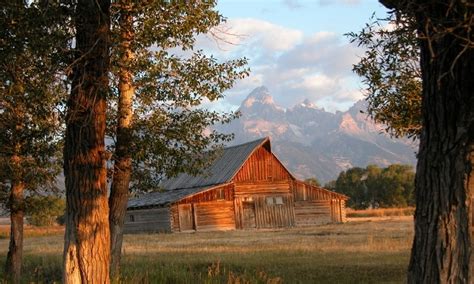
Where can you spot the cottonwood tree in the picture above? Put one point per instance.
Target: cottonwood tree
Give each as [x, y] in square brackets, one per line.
[87, 240]
[390, 71]
[159, 128]
[31, 93]
[444, 181]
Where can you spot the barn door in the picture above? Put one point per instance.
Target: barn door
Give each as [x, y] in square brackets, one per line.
[185, 213]
[248, 218]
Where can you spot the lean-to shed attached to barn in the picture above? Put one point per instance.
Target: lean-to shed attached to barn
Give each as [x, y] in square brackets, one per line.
[246, 187]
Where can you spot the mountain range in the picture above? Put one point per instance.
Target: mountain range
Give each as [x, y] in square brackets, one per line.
[312, 142]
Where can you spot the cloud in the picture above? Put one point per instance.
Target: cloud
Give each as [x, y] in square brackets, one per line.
[293, 66]
[250, 35]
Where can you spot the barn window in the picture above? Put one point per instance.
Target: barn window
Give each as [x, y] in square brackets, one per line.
[269, 200]
[131, 218]
[279, 200]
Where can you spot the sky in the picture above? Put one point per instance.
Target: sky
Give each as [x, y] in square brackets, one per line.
[296, 48]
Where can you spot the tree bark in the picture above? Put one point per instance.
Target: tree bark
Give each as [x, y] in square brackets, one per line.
[122, 159]
[442, 245]
[87, 240]
[15, 249]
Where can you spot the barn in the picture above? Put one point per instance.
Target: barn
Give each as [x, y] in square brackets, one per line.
[247, 187]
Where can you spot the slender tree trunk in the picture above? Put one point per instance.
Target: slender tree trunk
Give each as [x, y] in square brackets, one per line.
[122, 159]
[87, 239]
[15, 249]
[442, 245]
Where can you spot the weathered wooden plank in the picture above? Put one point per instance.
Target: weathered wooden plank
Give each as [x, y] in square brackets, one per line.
[186, 218]
[148, 220]
[217, 215]
[262, 165]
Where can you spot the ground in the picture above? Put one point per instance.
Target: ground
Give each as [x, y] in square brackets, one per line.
[369, 250]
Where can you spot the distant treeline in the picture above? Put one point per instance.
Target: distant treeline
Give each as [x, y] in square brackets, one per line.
[375, 187]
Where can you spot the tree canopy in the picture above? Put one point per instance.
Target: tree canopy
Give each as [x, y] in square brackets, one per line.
[390, 71]
[374, 187]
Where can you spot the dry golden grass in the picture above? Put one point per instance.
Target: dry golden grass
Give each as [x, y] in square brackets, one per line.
[32, 231]
[381, 212]
[368, 251]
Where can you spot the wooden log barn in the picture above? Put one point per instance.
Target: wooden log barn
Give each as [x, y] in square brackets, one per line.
[247, 187]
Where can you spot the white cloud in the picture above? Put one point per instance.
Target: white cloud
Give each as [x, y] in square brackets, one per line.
[251, 34]
[293, 66]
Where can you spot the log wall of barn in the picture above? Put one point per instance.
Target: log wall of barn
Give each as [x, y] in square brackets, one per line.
[263, 204]
[217, 215]
[209, 210]
[151, 220]
[224, 192]
[315, 205]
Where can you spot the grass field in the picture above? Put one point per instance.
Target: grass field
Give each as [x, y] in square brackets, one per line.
[369, 251]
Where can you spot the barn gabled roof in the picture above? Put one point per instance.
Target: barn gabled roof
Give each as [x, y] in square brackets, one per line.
[221, 171]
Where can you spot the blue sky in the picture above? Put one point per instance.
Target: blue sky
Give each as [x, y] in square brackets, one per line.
[295, 48]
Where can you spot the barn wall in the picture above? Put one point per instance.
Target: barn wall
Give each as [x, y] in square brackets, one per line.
[217, 215]
[174, 218]
[224, 192]
[148, 220]
[209, 210]
[261, 166]
[312, 212]
[262, 188]
[256, 204]
[315, 205]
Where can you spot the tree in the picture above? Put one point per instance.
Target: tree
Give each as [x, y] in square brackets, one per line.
[374, 187]
[160, 129]
[352, 184]
[444, 180]
[313, 181]
[87, 239]
[390, 70]
[30, 95]
[396, 184]
[44, 210]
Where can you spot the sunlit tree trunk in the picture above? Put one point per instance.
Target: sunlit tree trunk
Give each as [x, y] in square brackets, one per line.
[87, 239]
[15, 249]
[122, 159]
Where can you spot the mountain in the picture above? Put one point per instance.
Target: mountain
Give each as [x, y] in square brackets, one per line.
[313, 142]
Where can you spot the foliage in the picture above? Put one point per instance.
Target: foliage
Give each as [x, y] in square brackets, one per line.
[171, 129]
[374, 187]
[391, 73]
[31, 93]
[313, 181]
[44, 210]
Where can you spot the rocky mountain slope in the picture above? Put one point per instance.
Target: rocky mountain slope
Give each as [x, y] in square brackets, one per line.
[313, 142]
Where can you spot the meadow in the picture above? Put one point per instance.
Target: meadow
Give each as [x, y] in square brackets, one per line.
[372, 250]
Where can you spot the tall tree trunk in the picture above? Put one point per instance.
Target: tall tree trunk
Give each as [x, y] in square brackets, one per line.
[442, 245]
[122, 159]
[15, 249]
[87, 239]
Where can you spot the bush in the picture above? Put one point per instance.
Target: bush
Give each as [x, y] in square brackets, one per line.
[44, 210]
